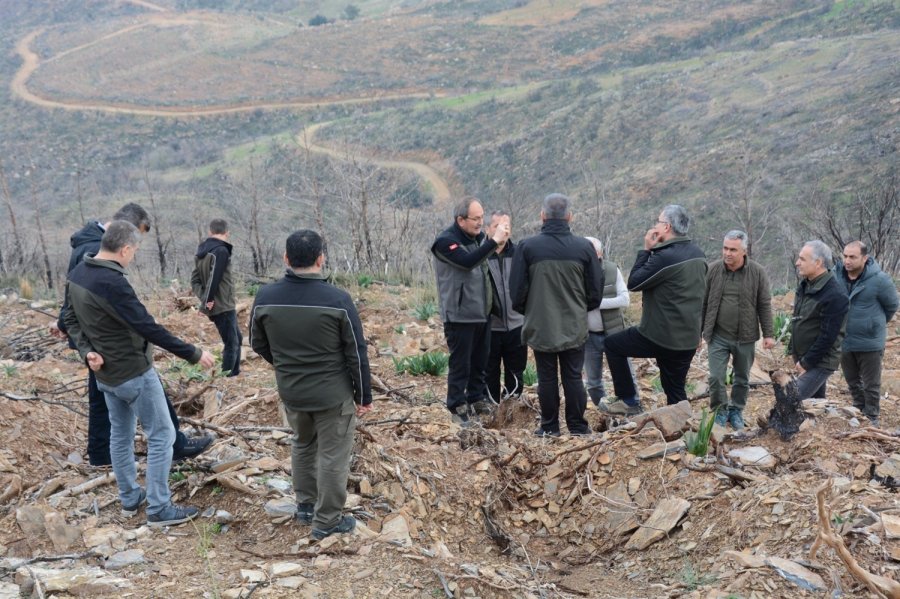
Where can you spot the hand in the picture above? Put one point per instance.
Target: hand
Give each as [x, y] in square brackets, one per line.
[800, 369]
[501, 234]
[94, 361]
[650, 238]
[58, 332]
[207, 360]
[768, 343]
[360, 410]
[209, 305]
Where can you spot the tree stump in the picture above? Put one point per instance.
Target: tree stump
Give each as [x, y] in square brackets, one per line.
[787, 415]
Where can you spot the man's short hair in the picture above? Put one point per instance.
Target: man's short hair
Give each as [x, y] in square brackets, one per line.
[462, 208]
[218, 226]
[494, 214]
[118, 234]
[863, 248]
[134, 214]
[739, 235]
[820, 251]
[678, 218]
[303, 248]
[555, 205]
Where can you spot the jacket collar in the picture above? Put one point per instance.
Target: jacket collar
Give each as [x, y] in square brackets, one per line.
[463, 235]
[555, 225]
[294, 277]
[816, 284]
[674, 240]
[110, 264]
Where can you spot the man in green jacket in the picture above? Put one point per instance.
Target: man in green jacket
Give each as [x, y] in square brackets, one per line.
[310, 331]
[213, 284]
[819, 320]
[737, 304]
[873, 302]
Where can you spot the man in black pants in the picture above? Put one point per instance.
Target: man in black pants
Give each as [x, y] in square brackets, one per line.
[671, 273]
[556, 279]
[464, 293]
[86, 242]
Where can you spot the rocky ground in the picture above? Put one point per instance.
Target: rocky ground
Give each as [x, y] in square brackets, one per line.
[487, 511]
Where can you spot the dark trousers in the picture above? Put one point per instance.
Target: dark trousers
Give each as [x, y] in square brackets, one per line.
[568, 365]
[508, 347]
[469, 345]
[673, 365]
[862, 369]
[228, 328]
[99, 427]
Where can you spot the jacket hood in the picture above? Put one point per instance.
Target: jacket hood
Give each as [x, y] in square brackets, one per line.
[89, 233]
[211, 243]
[869, 270]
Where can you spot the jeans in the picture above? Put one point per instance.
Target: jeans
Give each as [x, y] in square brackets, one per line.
[569, 367]
[863, 373]
[593, 365]
[228, 328]
[140, 398]
[811, 381]
[508, 347]
[469, 345]
[320, 459]
[742, 356]
[673, 365]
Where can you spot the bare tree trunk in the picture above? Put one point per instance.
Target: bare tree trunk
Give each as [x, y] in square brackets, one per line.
[255, 241]
[160, 246]
[19, 255]
[79, 196]
[48, 272]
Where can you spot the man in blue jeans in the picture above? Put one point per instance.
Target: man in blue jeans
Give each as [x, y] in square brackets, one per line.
[115, 335]
[212, 282]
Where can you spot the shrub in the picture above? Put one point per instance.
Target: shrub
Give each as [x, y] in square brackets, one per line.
[783, 328]
[433, 363]
[529, 377]
[698, 443]
[318, 20]
[425, 310]
[364, 281]
[351, 11]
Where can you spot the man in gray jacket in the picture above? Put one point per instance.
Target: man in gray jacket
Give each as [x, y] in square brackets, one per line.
[464, 293]
[737, 304]
[873, 302]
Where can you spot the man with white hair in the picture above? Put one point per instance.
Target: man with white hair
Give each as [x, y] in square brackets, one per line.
[737, 305]
[819, 321]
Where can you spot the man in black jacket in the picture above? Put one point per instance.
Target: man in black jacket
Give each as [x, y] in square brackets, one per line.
[310, 331]
[464, 293]
[115, 336]
[671, 273]
[556, 280]
[213, 284]
[86, 242]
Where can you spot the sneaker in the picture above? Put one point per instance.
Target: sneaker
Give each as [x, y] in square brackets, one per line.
[736, 419]
[193, 446]
[172, 515]
[722, 417]
[130, 510]
[460, 415]
[347, 524]
[581, 432]
[483, 407]
[304, 514]
[620, 408]
[540, 432]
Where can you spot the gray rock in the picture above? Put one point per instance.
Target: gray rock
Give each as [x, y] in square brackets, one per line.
[30, 519]
[224, 517]
[62, 534]
[661, 449]
[664, 518]
[797, 574]
[9, 590]
[282, 506]
[890, 467]
[123, 559]
[281, 485]
[80, 582]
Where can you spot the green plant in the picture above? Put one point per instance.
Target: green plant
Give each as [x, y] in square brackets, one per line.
[177, 476]
[217, 490]
[656, 384]
[698, 443]
[425, 310]
[433, 363]
[529, 376]
[364, 281]
[190, 372]
[400, 329]
[729, 375]
[782, 327]
[253, 289]
[692, 579]
[10, 370]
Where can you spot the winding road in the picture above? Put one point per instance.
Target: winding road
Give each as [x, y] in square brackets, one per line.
[31, 62]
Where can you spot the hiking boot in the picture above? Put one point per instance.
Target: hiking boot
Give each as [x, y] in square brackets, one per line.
[483, 407]
[722, 417]
[620, 408]
[460, 415]
[130, 510]
[736, 419]
[193, 446]
[172, 515]
[540, 432]
[347, 524]
[304, 514]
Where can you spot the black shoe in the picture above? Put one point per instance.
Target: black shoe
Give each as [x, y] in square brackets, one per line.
[540, 432]
[192, 447]
[304, 514]
[130, 510]
[580, 432]
[347, 524]
[483, 407]
[172, 515]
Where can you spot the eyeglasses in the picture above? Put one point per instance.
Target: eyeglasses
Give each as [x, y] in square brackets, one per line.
[475, 219]
[662, 222]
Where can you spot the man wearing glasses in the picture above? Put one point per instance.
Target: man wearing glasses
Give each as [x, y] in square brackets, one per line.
[671, 273]
[465, 296]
